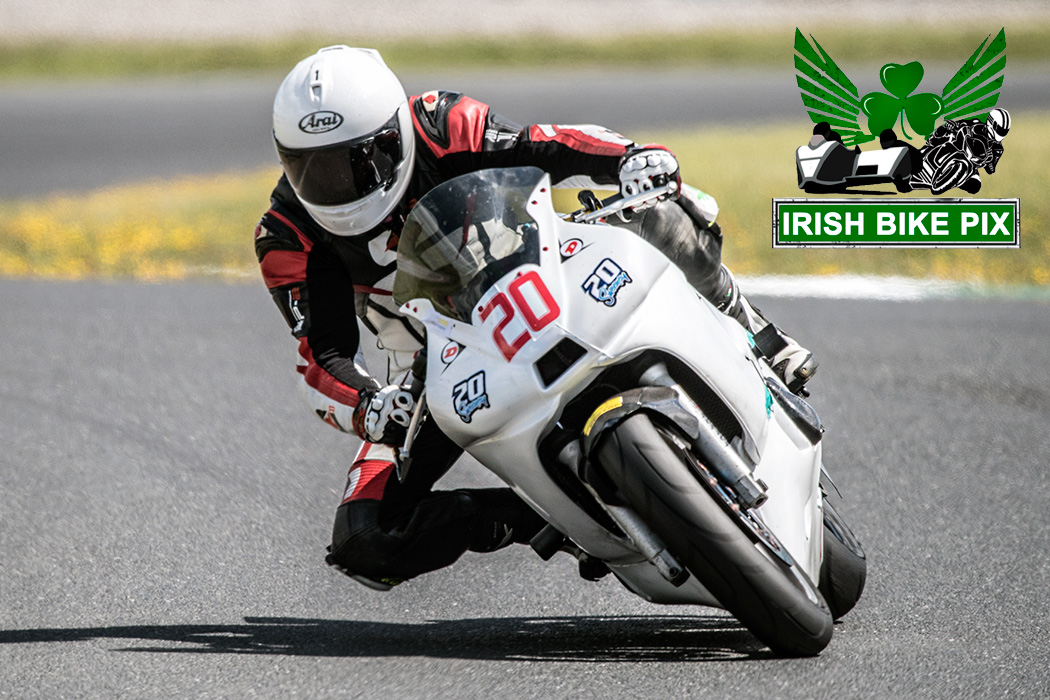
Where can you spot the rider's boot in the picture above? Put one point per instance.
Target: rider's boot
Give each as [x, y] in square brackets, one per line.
[794, 364]
[503, 519]
[431, 533]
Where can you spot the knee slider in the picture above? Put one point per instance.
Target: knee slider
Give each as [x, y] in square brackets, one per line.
[358, 544]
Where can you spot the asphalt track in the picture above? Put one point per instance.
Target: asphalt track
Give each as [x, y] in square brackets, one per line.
[167, 497]
[62, 137]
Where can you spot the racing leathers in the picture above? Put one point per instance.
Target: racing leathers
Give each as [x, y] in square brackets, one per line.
[387, 530]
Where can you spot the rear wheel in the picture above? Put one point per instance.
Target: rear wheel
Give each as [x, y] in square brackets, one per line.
[777, 603]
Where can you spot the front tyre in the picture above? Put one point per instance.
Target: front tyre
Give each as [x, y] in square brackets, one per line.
[845, 568]
[951, 174]
[650, 472]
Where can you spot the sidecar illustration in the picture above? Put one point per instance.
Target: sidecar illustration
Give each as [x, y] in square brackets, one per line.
[832, 167]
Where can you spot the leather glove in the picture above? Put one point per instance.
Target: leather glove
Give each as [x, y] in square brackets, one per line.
[647, 167]
[384, 414]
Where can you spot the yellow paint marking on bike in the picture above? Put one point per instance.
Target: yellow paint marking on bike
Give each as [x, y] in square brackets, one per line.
[613, 403]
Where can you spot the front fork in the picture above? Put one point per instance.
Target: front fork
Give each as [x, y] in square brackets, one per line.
[645, 541]
[662, 395]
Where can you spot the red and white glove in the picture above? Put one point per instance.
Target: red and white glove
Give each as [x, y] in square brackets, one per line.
[647, 167]
[383, 415]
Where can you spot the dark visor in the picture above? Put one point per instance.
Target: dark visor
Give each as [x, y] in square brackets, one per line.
[344, 172]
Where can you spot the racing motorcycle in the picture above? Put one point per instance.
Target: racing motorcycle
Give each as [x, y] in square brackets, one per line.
[952, 158]
[573, 360]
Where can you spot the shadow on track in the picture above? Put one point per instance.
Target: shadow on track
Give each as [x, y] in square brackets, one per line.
[579, 639]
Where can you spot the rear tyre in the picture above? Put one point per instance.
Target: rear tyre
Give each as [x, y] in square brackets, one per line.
[778, 605]
[845, 568]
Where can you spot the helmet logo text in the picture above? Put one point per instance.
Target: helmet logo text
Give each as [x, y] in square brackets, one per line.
[320, 122]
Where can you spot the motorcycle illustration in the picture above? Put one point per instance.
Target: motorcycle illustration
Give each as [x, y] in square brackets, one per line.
[955, 154]
[637, 419]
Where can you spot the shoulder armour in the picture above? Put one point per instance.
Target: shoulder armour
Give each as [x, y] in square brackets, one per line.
[432, 111]
[273, 234]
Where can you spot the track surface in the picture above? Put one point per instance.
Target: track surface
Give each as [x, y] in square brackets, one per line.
[59, 137]
[167, 498]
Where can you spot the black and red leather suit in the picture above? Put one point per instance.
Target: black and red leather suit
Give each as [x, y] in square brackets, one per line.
[385, 529]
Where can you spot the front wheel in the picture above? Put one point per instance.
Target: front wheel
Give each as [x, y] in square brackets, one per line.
[845, 568]
[651, 473]
[951, 174]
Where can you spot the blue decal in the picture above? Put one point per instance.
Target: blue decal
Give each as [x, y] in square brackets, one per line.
[606, 282]
[469, 396]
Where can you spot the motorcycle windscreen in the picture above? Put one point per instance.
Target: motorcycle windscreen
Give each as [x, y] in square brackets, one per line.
[464, 235]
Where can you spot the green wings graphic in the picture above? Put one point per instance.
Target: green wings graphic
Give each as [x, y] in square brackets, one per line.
[830, 96]
[967, 96]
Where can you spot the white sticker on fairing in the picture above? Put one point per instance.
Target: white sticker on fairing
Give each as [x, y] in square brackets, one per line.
[470, 396]
[450, 352]
[571, 247]
[606, 282]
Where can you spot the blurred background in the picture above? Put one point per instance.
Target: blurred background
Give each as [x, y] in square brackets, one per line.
[136, 142]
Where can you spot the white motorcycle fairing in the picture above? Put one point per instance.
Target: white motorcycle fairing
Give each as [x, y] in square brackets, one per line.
[599, 295]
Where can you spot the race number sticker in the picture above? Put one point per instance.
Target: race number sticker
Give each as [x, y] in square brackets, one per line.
[528, 304]
[606, 282]
[469, 396]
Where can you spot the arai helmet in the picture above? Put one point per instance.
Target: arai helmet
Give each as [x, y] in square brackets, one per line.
[344, 135]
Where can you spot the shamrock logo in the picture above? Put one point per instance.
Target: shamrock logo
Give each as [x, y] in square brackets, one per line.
[884, 110]
[830, 96]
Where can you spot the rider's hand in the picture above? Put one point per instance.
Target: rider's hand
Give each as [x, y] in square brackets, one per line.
[384, 414]
[647, 167]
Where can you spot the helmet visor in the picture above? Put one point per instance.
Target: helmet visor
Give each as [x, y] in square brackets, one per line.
[344, 172]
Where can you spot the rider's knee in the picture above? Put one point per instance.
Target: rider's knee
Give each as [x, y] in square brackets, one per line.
[359, 545]
[690, 243]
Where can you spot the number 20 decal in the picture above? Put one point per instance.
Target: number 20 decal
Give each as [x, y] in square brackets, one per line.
[537, 319]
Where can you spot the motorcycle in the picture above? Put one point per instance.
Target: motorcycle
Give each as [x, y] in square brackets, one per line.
[951, 167]
[573, 360]
[952, 159]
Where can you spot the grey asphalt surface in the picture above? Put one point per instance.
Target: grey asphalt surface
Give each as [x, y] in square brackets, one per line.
[167, 498]
[62, 136]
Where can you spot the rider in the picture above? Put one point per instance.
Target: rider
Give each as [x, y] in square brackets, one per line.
[357, 154]
[974, 141]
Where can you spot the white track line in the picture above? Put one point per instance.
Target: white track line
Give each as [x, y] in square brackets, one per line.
[852, 287]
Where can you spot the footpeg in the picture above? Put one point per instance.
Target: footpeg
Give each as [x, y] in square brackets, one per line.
[547, 542]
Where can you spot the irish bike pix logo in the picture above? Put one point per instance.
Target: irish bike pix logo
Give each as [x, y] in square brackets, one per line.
[898, 141]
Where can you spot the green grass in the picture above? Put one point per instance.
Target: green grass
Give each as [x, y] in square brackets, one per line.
[22, 60]
[188, 227]
[203, 226]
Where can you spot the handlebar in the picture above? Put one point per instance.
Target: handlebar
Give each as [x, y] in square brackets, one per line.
[415, 387]
[617, 204]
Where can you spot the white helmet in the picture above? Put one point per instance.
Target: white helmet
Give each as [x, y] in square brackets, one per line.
[999, 123]
[344, 135]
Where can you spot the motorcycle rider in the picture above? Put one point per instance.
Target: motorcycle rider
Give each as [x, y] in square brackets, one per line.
[357, 153]
[974, 143]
